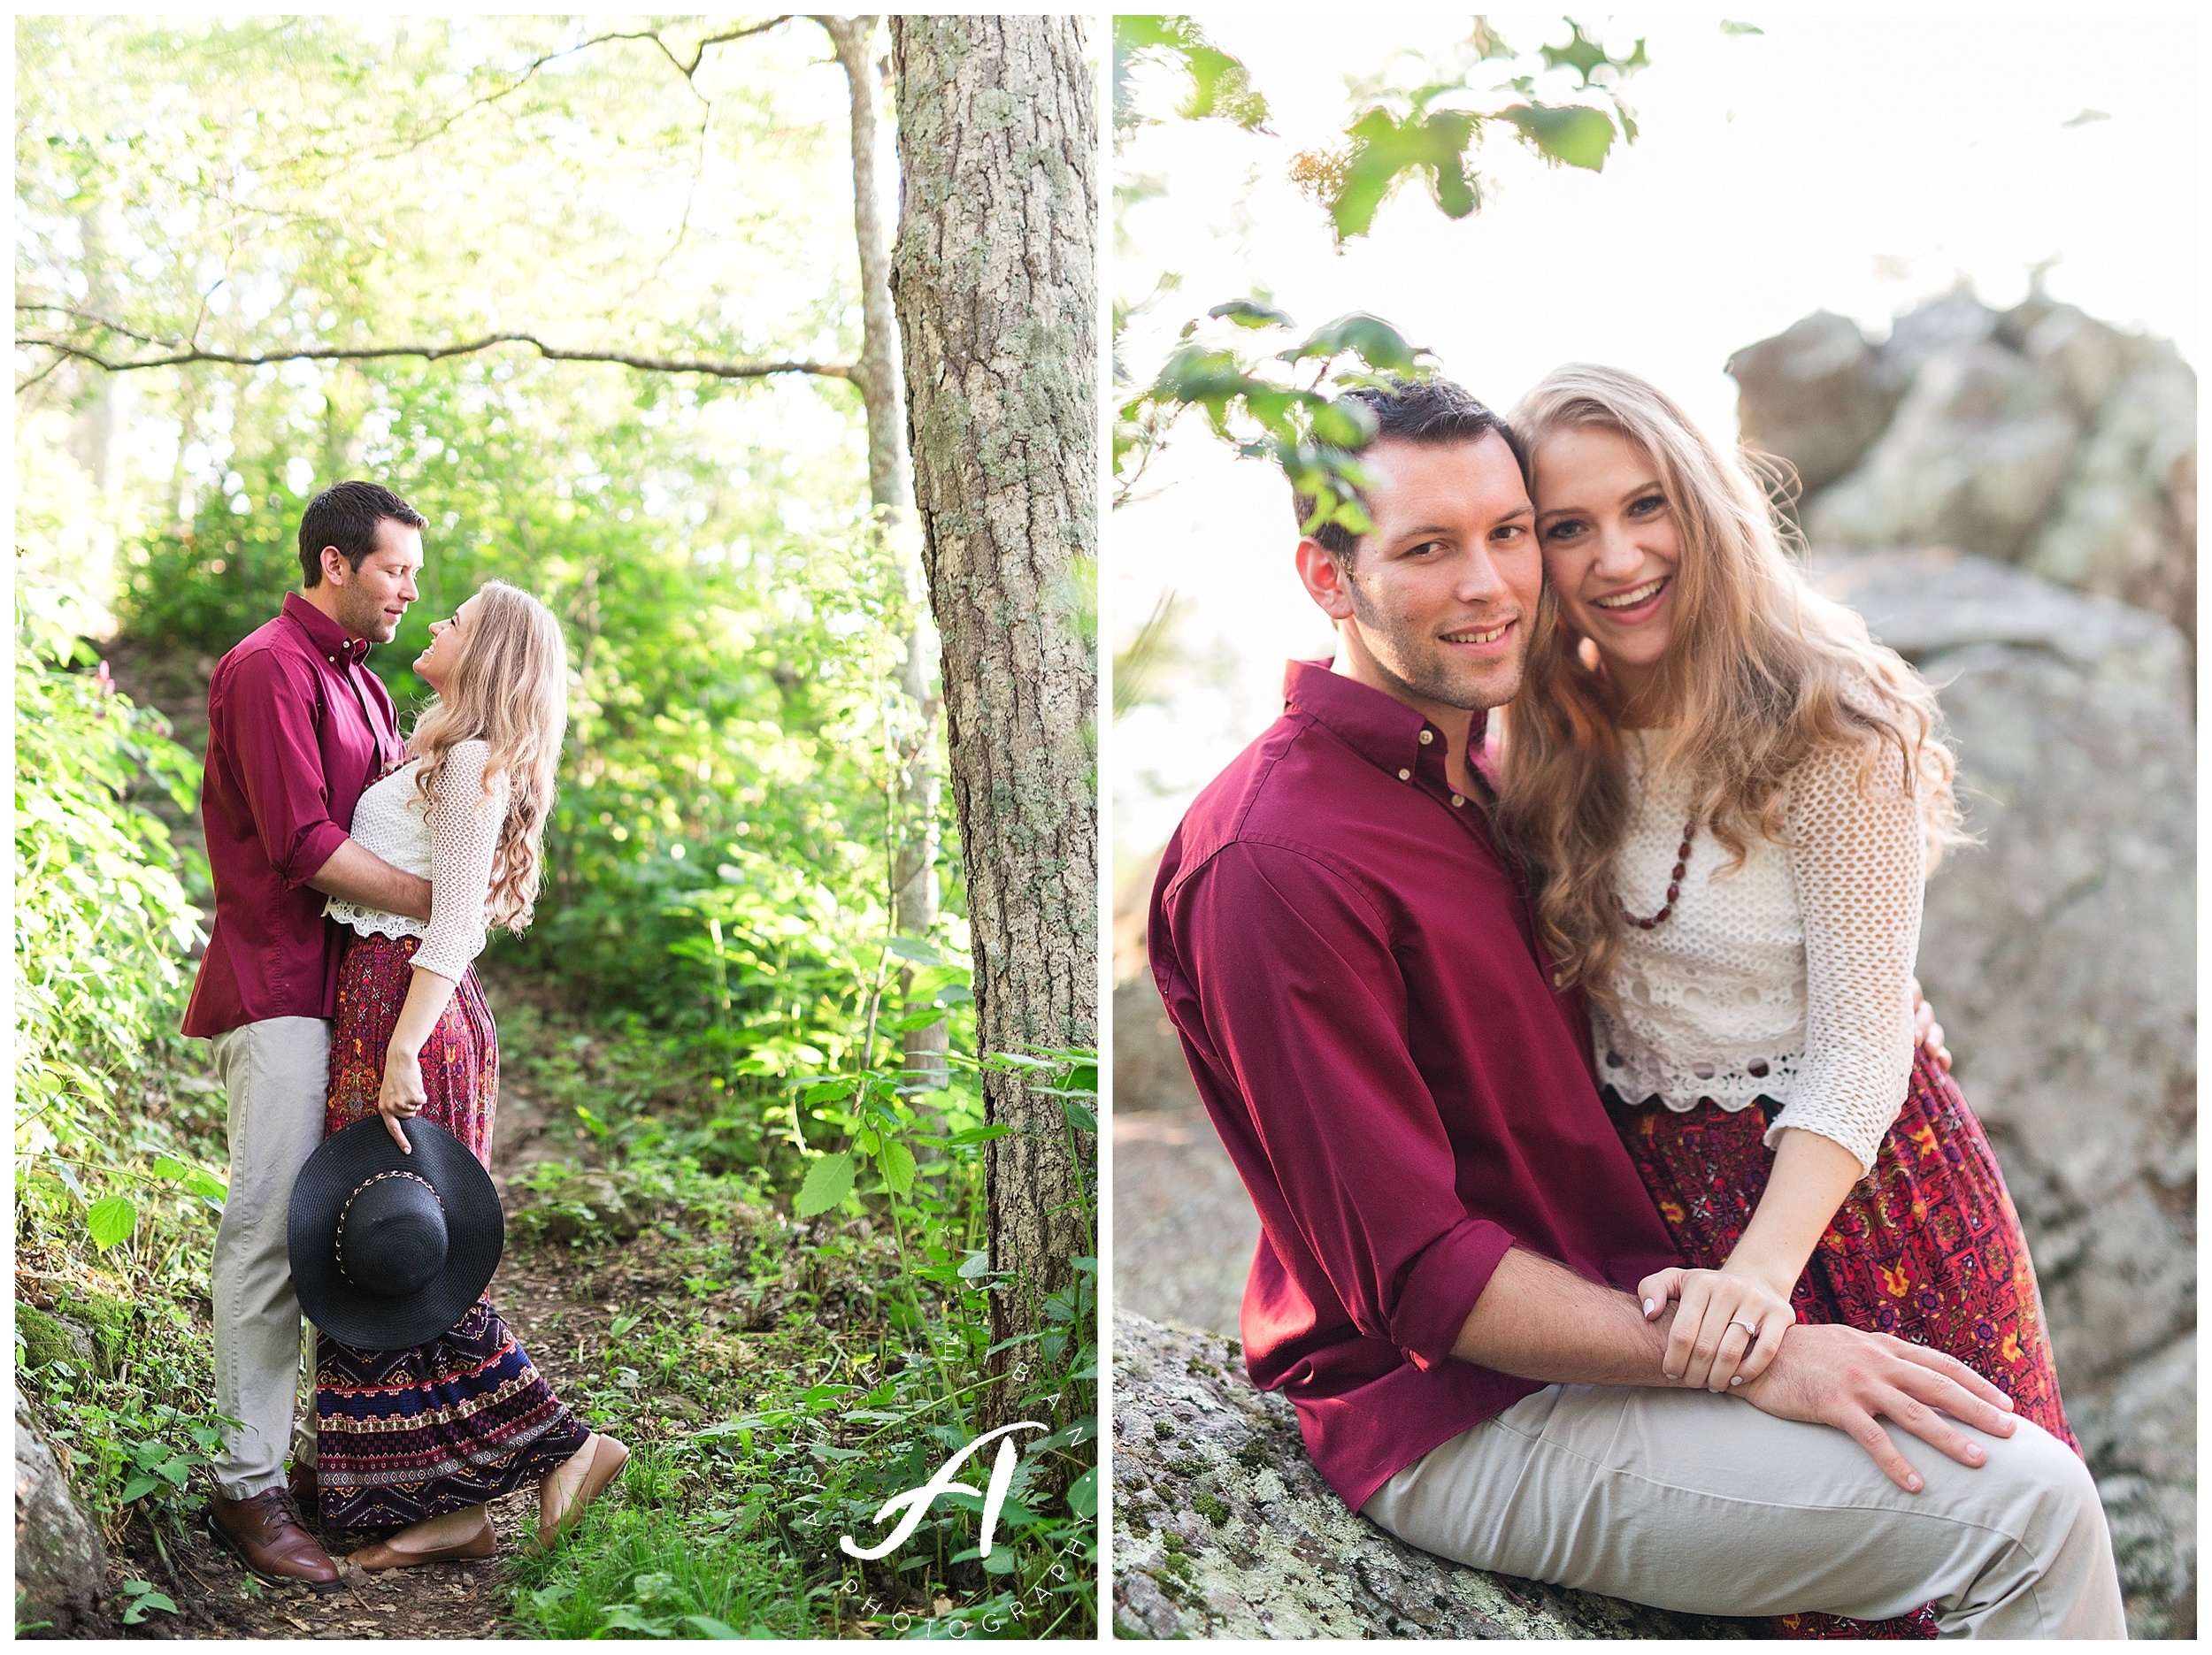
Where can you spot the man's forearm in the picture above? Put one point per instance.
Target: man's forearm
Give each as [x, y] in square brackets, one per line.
[1537, 1320]
[363, 877]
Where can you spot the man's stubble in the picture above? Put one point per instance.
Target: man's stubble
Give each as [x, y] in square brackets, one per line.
[1416, 667]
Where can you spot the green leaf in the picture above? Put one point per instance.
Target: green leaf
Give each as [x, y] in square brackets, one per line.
[111, 1220]
[1251, 313]
[1728, 27]
[1078, 1116]
[914, 949]
[1385, 150]
[206, 1185]
[1083, 1494]
[139, 1487]
[1344, 424]
[1373, 340]
[895, 1162]
[828, 1182]
[710, 1628]
[1576, 136]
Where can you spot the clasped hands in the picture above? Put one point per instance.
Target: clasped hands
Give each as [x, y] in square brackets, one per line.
[1728, 1336]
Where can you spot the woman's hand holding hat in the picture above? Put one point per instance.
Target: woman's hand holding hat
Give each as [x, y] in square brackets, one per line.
[401, 1094]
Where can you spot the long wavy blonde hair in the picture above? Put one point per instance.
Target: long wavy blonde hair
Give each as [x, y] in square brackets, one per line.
[509, 689]
[1761, 671]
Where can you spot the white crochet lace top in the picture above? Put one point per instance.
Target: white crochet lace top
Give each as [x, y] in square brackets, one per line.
[1789, 976]
[451, 846]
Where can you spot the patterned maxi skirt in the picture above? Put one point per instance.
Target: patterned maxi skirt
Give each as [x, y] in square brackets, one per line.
[403, 1435]
[1927, 1247]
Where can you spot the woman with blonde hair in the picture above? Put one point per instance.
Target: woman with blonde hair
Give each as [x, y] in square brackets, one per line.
[419, 1440]
[1729, 796]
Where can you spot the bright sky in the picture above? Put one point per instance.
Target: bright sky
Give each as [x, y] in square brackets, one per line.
[1855, 166]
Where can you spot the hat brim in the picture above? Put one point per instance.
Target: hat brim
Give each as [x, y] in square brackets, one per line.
[476, 1234]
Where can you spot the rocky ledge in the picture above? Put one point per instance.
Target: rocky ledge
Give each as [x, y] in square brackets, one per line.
[1223, 1527]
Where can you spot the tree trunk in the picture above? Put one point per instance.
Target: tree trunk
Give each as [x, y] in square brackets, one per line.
[914, 871]
[995, 278]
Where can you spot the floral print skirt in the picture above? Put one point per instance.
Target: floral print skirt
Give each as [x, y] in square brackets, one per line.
[403, 1435]
[1927, 1247]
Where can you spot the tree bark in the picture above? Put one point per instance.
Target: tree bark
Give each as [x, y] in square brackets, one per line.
[914, 871]
[995, 278]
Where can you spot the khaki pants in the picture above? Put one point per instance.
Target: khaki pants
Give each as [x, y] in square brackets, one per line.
[1685, 1500]
[275, 1073]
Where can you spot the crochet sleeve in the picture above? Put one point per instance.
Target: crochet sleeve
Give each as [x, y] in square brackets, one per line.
[464, 826]
[1857, 861]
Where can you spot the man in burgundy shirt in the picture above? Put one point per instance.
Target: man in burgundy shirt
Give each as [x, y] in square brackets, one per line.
[297, 728]
[1448, 1222]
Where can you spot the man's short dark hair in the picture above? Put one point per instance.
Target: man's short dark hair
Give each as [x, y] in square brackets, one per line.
[1429, 412]
[345, 514]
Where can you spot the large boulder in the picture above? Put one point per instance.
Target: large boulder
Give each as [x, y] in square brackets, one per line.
[1223, 1527]
[60, 1564]
[1974, 457]
[2040, 436]
[2124, 525]
[2061, 954]
[1813, 395]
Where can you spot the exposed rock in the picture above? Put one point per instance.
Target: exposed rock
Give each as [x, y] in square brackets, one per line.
[2041, 436]
[1973, 458]
[2061, 956]
[1919, 335]
[60, 1564]
[1223, 1527]
[1811, 396]
[2129, 501]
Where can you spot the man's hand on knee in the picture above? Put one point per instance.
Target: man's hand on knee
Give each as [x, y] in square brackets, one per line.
[1840, 1377]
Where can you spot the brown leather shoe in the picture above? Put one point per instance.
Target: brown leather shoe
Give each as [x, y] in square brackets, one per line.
[265, 1533]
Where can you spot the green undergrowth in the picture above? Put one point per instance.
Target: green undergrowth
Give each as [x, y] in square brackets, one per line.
[779, 1379]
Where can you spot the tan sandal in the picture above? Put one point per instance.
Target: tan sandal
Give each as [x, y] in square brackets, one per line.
[608, 1457]
[378, 1556]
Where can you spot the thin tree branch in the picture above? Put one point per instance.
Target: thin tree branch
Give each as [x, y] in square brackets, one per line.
[434, 353]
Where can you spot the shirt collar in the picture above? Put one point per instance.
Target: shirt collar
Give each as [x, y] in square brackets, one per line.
[1382, 729]
[332, 641]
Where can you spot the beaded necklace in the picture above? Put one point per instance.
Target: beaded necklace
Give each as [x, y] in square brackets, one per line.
[1674, 883]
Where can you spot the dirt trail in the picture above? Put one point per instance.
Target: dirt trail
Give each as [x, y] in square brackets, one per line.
[438, 1600]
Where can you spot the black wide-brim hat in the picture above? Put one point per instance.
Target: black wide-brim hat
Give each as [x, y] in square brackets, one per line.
[390, 1250]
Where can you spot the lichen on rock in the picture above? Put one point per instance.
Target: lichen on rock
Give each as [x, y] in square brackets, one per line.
[1223, 1527]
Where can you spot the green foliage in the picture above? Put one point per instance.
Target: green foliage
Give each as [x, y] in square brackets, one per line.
[1286, 407]
[865, 1328]
[1220, 87]
[103, 921]
[1433, 129]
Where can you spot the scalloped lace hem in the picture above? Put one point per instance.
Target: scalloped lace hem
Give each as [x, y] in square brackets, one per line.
[375, 921]
[1733, 1092]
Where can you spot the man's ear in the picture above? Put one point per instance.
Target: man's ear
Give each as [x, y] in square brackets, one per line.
[336, 569]
[1324, 579]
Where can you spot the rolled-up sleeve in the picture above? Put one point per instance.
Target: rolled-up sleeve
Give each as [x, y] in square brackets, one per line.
[1302, 1002]
[268, 711]
[464, 824]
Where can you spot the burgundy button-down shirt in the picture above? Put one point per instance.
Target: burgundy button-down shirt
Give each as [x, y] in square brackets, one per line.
[297, 727]
[1353, 968]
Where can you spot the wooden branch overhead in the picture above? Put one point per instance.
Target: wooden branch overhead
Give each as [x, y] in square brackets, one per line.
[180, 353]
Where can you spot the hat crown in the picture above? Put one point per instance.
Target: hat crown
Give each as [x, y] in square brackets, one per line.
[392, 1235]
